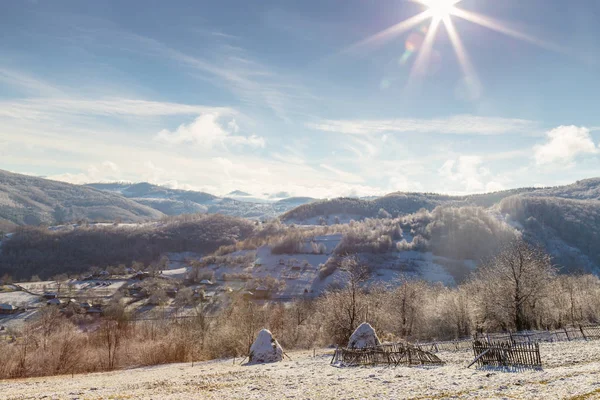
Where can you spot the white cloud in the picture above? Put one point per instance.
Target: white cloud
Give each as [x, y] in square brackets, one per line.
[107, 171]
[401, 183]
[459, 124]
[494, 186]
[207, 132]
[471, 175]
[467, 171]
[564, 145]
[110, 166]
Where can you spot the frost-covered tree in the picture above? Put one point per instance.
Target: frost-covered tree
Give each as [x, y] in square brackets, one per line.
[512, 285]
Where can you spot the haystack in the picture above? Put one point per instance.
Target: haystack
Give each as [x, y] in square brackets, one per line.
[265, 349]
[363, 336]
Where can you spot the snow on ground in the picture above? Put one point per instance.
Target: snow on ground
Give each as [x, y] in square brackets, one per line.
[178, 273]
[330, 242]
[123, 225]
[97, 287]
[179, 259]
[16, 321]
[38, 287]
[75, 288]
[573, 369]
[18, 298]
[298, 271]
[414, 264]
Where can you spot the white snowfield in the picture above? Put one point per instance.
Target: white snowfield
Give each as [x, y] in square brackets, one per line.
[570, 370]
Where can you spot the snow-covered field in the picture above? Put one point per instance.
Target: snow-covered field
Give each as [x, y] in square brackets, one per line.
[19, 298]
[571, 369]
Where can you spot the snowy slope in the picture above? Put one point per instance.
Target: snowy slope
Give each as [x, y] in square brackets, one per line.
[570, 369]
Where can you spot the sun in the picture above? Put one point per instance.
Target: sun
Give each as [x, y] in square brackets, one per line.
[440, 9]
[420, 44]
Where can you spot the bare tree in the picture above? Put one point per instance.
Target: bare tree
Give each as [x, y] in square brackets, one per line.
[183, 298]
[241, 320]
[47, 323]
[60, 279]
[512, 284]
[110, 333]
[407, 299]
[346, 308]
[67, 354]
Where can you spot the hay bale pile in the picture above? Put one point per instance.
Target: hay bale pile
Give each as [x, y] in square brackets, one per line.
[363, 336]
[265, 349]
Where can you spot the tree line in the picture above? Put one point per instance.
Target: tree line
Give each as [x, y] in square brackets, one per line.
[517, 289]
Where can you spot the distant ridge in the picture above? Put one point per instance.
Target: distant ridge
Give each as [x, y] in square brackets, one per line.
[29, 200]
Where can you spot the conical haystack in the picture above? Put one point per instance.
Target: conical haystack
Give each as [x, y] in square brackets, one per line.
[363, 336]
[265, 348]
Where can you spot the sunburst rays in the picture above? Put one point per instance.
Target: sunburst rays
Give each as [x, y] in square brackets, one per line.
[442, 12]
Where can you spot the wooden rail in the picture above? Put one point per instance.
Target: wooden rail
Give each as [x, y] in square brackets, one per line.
[510, 355]
[387, 354]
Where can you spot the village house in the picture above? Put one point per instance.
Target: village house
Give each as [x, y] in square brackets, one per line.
[262, 292]
[7, 308]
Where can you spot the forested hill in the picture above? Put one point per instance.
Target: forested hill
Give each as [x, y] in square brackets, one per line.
[569, 229]
[166, 200]
[398, 204]
[29, 200]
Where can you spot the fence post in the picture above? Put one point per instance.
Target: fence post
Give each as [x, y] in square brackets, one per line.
[567, 333]
[583, 333]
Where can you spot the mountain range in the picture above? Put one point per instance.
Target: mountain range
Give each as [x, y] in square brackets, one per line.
[30, 200]
[565, 220]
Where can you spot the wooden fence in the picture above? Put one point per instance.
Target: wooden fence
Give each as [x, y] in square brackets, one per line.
[387, 354]
[453, 345]
[507, 355]
[558, 335]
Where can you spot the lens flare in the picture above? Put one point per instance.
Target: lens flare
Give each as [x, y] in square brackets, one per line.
[419, 68]
[420, 41]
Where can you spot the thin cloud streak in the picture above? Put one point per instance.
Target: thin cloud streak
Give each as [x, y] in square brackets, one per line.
[251, 81]
[27, 83]
[114, 107]
[459, 124]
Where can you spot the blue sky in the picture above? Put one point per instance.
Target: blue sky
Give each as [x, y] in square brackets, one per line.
[303, 97]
